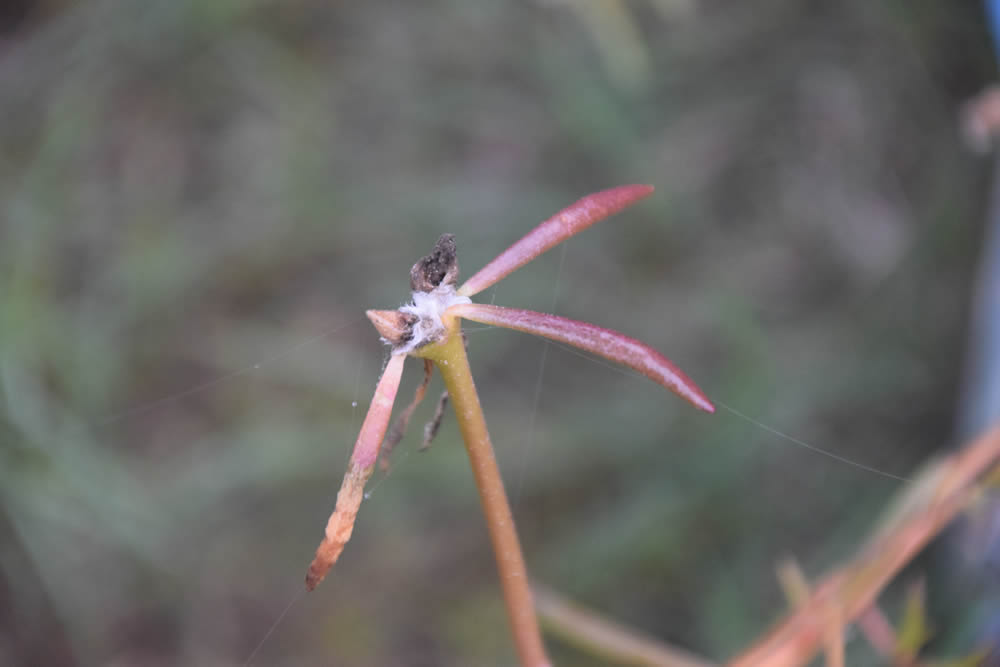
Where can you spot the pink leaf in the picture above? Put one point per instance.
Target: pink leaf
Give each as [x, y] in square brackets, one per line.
[377, 420]
[564, 224]
[341, 523]
[604, 342]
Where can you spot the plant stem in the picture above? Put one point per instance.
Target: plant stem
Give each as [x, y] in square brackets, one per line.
[604, 638]
[453, 363]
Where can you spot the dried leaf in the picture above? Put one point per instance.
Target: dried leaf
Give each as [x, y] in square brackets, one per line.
[359, 469]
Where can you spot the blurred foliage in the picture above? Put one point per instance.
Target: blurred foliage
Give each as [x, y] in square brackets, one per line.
[200, 199]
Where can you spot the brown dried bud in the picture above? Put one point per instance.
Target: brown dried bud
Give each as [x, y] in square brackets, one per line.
[396, 328]
[438, 268]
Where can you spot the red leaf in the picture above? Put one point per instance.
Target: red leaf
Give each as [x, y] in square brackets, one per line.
[564, 224]
[604, 342]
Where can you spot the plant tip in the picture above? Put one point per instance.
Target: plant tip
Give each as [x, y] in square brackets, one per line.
[438, 268]
[395, 327]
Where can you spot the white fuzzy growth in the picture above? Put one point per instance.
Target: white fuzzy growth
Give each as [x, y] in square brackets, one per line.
[428, 307]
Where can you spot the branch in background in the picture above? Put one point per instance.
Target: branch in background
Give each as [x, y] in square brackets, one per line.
[602, 637]
[879, 633]
[935, 498]
[796, 587]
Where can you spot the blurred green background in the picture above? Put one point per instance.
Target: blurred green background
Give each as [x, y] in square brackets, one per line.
[200, 199]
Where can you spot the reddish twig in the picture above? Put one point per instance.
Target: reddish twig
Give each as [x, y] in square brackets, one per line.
[398, 429]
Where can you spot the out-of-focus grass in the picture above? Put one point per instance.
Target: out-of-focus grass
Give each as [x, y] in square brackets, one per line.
[199, 200]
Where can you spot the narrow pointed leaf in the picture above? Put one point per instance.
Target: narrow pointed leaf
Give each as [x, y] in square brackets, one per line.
[604, 342]
[564, 224]
[359, 469]
[377, 420]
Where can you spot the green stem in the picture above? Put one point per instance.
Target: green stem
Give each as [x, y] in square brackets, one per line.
[453, 363]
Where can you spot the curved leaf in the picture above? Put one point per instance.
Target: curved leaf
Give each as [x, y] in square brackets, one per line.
[564, 224]
[607, 343]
